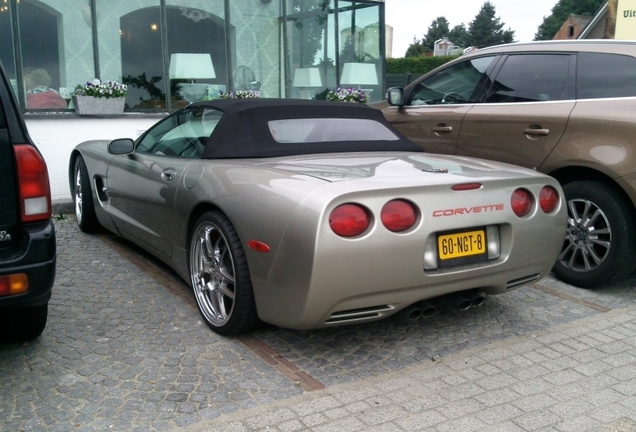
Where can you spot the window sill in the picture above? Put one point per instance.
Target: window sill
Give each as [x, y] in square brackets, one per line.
[68, 115]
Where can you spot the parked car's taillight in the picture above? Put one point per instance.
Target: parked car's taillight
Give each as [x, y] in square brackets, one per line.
[521, 202]
[548, 199]
[33, 184]
[349, 220]
[398, 215]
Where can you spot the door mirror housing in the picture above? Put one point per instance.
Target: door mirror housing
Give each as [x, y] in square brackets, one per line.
[121, 146]
[395, 96]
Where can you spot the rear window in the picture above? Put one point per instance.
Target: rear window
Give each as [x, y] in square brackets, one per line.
[605, 76]
[309, 130]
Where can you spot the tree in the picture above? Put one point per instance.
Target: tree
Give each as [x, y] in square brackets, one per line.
[486, 29]
[561, 11]
[460, 36]
[416, 49]
[438, 29]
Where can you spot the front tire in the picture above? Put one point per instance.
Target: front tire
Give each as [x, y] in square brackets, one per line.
[83, 198]
[600, 243]
[220, 276]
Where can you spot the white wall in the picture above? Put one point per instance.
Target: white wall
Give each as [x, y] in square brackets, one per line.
[56, 138]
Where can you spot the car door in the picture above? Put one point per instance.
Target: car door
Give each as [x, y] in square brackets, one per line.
[143, 186]
[524, 112]
[436, 105]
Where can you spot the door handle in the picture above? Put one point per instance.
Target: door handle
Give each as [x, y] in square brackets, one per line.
[168, 174]
[531, 131]
[442, 128]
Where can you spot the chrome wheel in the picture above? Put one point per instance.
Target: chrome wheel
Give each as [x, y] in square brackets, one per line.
[213, 272]
[600, 241]
[78, 195]
[588, 239]
[83, 197]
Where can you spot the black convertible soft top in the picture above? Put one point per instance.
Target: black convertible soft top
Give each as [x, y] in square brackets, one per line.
[243, 131]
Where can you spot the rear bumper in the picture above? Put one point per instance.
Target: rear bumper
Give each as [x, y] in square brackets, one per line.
[38, 262]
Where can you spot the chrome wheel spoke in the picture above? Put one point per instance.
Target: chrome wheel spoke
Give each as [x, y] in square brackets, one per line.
[78, 196]
[212, 270]
[588, 239]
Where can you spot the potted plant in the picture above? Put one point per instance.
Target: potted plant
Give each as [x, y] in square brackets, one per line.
[347, 95]
[240, 94]
[100, 97]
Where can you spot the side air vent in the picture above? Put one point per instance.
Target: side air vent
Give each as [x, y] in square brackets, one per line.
[353, 315]
[522, 281]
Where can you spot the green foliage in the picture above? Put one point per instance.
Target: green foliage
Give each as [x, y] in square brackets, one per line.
[437, 30]
[486, 29]
[561, 11]
[416, 49]
[460, 36]
[415, 65]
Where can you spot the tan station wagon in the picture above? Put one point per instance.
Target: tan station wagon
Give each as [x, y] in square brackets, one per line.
[565, 108]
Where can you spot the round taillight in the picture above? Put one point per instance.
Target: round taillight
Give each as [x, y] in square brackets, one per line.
[349, 220]
[521, 202]
[398, 215]
[548, 199]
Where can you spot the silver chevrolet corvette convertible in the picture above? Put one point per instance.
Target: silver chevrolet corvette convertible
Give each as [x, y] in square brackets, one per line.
[308, 214]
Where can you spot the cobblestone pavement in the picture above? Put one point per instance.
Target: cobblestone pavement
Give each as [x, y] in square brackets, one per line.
[125, 349]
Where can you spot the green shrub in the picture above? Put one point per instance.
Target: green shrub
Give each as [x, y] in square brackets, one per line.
[415, 65]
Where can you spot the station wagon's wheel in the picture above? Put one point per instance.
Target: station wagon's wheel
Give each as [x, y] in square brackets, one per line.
[220, 276]
[83, 198]
[600, 242]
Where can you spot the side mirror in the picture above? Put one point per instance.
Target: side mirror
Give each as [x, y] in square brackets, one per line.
[121, 146]
[395, 95]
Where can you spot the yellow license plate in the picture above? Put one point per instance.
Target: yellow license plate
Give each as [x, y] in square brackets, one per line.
[462, 244]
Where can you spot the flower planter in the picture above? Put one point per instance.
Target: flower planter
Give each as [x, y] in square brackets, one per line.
[90, 105]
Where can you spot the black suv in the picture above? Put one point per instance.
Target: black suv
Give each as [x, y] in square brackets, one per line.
[27, 234]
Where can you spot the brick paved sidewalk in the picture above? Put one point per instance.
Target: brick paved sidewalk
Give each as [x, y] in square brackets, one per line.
[579, 376]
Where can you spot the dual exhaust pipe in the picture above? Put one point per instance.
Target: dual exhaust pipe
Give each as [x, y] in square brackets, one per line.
[462, 301]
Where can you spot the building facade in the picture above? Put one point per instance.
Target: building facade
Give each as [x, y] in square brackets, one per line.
[172, 52]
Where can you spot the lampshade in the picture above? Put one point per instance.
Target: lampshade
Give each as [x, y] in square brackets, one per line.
[191, 66]
[359, 74]
[307, 77]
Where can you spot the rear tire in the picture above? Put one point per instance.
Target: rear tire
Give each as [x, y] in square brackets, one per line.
[600, 243]
[83, 198]
[23, 324]
[220, 277]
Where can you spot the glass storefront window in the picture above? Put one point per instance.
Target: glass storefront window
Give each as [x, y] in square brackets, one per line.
[311, 47]
[6, 47]
[130, 50]
[331, 43]
[197, 50]
[255, 48]
[280, 48]
[359, 48]
[59, 58]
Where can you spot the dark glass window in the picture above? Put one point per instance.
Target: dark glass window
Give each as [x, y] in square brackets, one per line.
[605, 76]
[531, 78]
[41, 55]
[6, 47]
[182, 135]
[455, 84]
[189, 31]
